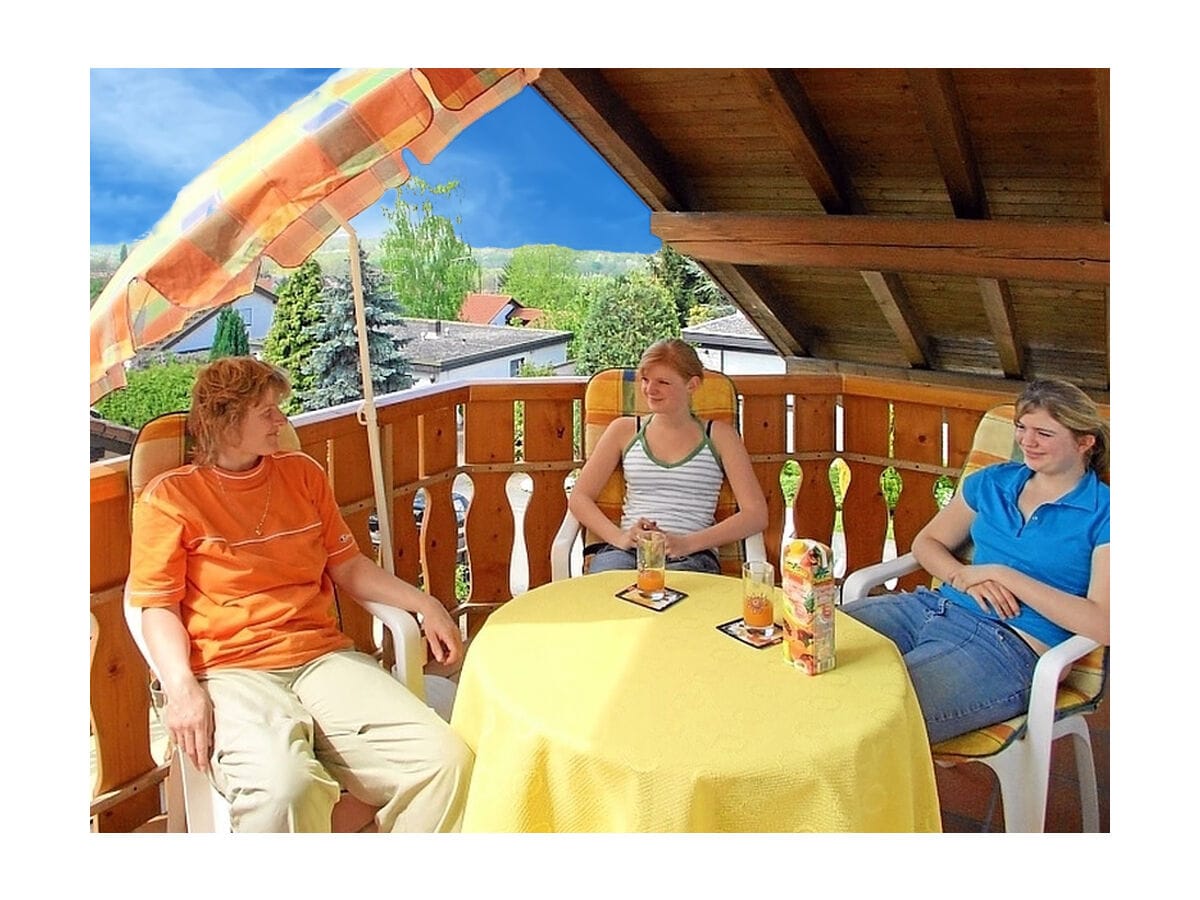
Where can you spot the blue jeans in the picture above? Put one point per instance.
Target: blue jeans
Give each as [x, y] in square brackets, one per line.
[609, 559]
[967, 671]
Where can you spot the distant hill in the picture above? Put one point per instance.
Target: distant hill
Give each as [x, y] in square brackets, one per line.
[334, 260]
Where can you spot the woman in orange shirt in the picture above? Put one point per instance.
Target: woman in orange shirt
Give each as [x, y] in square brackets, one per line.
[234, 562]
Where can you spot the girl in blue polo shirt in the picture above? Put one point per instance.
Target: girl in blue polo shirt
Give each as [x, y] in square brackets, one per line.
[1039, 572]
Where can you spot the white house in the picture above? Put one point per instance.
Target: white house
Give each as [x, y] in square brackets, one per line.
[257, 310]
[442, 351]
[731, 344]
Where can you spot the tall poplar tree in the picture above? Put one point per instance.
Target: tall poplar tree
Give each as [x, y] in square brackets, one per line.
[429, 267]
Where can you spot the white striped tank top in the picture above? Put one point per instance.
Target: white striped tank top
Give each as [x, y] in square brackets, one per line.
[681, 496]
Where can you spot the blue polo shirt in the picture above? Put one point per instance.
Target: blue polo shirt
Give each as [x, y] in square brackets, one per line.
[1055, 546]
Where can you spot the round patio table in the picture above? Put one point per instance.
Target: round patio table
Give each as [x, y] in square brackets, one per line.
[591, 713]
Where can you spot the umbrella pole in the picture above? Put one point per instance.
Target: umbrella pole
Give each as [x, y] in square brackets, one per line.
[382, 504]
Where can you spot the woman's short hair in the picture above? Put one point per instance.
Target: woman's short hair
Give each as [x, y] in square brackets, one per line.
[678, 354]
[1073, 409]
[224, 391]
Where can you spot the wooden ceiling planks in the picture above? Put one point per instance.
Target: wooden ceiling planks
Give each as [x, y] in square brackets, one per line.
[1008, 150]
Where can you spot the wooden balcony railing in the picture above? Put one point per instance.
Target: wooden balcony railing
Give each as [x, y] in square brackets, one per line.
[783, 417]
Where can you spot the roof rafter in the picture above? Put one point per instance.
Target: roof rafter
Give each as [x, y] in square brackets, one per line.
[800, 127]
[1061, 252]
[804, 136]
[937, 101]
[632, 150]
[1102, 114]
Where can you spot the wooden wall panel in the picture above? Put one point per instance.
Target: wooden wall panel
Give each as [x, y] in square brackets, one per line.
[549, 438]
[918, 439]
[489, 441]
[864, 513]
[764, 430]
[438, 434]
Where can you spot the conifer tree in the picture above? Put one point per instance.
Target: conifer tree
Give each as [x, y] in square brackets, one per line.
[289, 343]
[231, 338]
[334, 363]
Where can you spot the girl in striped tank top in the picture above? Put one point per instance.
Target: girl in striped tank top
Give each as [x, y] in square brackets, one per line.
[673, 465]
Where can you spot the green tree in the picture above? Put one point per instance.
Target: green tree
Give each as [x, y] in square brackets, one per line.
[123, 255]
[570, 315]
[544, 276]
[334, 363]
[149, 392]
[231, 338]
[688, 284]
[98, 284]
[430, 268]
[620, 325]
[289, 343]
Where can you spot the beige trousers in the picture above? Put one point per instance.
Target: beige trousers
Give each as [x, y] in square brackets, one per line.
[287, 741]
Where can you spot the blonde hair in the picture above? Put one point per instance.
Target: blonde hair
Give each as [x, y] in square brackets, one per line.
[678, 354]
[1074, 410]
[224, 391]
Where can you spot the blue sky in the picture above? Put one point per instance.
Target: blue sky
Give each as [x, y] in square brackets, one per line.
[526, 176]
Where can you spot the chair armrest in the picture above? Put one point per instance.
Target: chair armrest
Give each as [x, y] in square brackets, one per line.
[409, 644]
[1047, 673]
[756, 548]
[860, 582]
[560, 549]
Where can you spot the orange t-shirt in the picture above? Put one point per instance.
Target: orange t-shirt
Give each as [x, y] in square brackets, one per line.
[257, 601]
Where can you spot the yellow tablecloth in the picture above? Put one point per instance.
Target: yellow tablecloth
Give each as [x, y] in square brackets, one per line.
[589, 713]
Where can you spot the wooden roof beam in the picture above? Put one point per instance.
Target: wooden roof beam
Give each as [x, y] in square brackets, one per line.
[794, 117]
[1063, 252]
[747, 288]
[1102, 113]
[889, 293]
[997, 304]
[607, 123]
[798, 124]
[937, 102]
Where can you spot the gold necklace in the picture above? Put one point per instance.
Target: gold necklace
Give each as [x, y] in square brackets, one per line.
[261, 519]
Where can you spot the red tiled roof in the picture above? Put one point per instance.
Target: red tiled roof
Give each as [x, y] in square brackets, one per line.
[527, 314]
[481, 309]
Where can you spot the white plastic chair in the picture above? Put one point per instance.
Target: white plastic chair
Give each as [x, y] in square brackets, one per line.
[612, 393]
[1018, 750]
[161, 444]
[1022, 764]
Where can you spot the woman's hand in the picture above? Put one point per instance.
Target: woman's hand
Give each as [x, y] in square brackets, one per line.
[445, 640]
[997, 596]
[678, 545]
[629, 537]
[189, 715]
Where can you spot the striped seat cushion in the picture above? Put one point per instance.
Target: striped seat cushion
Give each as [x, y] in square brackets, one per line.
[1080, 692]
[613, 393]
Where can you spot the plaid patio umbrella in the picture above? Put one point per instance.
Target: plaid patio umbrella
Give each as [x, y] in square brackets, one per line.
[281, 194]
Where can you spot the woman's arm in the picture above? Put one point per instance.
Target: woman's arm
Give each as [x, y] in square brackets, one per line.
[1080, 615]
[592, 478]
[944, 534]
[189, 713]
[751, 517]
[363, 578]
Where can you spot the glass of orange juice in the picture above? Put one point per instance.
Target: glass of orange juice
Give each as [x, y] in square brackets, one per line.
[652, 565]
[758, 597]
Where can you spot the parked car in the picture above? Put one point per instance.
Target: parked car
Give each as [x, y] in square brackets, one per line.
[418, 507]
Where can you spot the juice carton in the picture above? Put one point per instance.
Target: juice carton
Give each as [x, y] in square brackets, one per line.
[808, 598]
